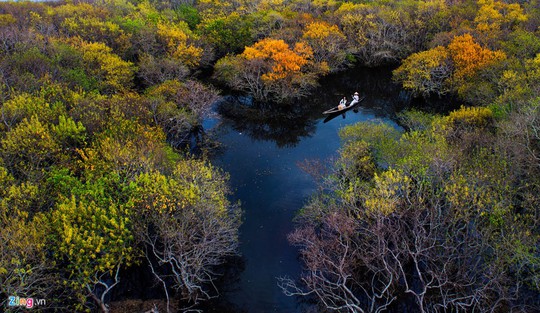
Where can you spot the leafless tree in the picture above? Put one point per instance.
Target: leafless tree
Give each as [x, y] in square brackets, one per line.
[101, 285]
[358, 260]
[187, 246]
[523, 129]
[198, 97]
[179, 108]
[331, 255]
[154, 70]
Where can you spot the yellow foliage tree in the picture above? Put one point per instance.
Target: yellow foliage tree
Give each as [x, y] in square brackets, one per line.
[29, 148]
[125, 148]
[378, 34]
[7, 20]
[96, 30]
[472, 117]
[328, 43]
[177, 40]
[494, 16]
[391, 189]
[24, 261]
[114, 74]
[426, 72]
[213, 8]
[94, 239]
[187, 224]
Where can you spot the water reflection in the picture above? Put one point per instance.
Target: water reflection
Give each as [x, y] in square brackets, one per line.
[262, 143]
[283, 125]
[333, 116]
[287, 125]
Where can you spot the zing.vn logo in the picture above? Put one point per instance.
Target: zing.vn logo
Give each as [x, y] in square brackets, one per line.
[25, 302]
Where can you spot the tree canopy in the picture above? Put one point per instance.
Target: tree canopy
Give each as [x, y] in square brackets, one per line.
[99, 99]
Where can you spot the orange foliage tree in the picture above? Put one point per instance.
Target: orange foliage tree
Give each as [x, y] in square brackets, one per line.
[284, 61]
[468, 56]
[454, 68]
[475, 69]
[270, 69]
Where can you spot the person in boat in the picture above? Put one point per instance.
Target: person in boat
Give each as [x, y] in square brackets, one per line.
[356, 98]
[343, 103]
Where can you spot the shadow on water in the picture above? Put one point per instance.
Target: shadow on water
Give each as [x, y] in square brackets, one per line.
[334, 115]
[283, 125]
[287, 125]
[228, 280]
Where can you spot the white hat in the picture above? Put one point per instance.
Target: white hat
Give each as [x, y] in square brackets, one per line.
[356, 93]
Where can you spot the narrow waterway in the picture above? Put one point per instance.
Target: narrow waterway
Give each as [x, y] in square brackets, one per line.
[262, 147]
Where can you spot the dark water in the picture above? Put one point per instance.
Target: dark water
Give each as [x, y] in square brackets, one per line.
[262, 146]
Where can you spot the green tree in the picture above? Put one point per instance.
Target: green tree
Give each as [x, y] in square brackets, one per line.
[189, 14]
[229, 34]
[69, 134]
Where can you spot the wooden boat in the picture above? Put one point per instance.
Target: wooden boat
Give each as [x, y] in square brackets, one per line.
[336, 110]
